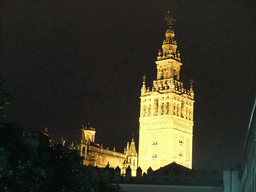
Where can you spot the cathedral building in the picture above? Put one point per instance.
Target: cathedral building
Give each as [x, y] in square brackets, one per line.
[165, 123]
[166, 112]
[95, 155]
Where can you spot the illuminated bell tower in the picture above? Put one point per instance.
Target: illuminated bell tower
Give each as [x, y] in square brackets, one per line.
[166, 112]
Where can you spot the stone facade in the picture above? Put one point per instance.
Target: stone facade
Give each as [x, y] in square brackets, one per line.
[95, 155]
[166, 113]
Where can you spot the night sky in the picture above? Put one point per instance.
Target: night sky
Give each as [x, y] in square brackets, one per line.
[72, 62]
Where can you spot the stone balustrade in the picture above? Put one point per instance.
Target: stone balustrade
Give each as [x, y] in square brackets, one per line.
[106, 151]
[167, 86]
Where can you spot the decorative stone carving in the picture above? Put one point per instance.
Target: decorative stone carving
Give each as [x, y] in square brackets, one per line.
[159, 73]
[149, 110]
[162, 109]
[167, 108]
[169, 98]
[164, 73]
[190, 115]
[182, 109]
[187, 115]
[156, 107]
[143, 110]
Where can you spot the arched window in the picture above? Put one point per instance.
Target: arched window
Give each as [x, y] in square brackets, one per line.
[143, 110]
[174, 109]
[167, 108]
[149, 110]
[175, 74]
[190, 114]
[156, 107]
[162, 109]
[182, 109]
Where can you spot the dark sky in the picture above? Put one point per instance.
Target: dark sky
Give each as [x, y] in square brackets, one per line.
[72, 62]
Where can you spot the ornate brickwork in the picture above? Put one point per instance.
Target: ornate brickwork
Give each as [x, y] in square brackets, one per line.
[166, 117]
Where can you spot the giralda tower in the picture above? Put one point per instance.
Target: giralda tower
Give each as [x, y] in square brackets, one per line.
[166, 112]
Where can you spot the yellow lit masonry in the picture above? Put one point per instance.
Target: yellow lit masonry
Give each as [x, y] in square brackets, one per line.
[166, 112]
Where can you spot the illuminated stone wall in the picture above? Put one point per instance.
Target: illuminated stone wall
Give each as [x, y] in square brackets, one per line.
[166, 113]
[95, 155]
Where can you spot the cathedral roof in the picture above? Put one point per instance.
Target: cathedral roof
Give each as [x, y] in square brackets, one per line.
[172, 167]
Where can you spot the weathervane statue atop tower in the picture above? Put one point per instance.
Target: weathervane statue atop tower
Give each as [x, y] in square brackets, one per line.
[169, 19]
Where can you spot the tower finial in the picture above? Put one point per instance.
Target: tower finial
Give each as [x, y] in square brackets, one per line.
[143, 89]
[191, 89]
[169, 19]
[191, 82]
[144, 78]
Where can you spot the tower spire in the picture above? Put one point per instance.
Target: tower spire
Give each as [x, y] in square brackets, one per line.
[191, 89]
[168, 107]
[143, 89]
[168, 60]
